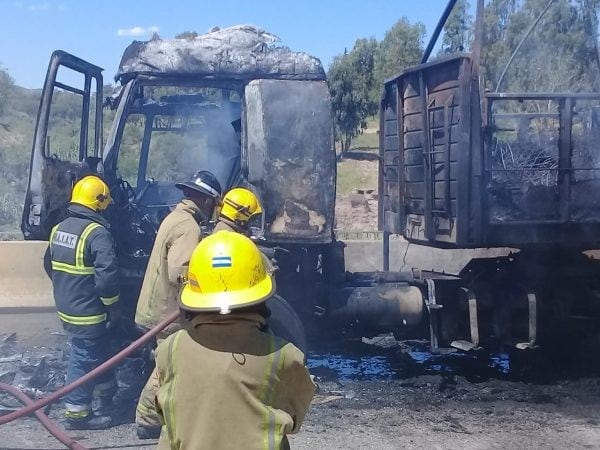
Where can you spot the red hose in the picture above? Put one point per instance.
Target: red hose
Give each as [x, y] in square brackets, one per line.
[34, 406]
[43, 418]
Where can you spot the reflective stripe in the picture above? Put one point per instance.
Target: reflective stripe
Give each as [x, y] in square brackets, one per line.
[78, 408]
[54, 228]
[110, 300]
[81, 244]
[76, 414]
[198, 182]
[77, 411]
[267, 392]
[79, 268]
[73, 270]
[169, 407]
[275, 429]
[82, 320]
[242, 210]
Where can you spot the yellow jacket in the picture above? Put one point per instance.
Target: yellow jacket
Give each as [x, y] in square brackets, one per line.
[225, 383]
[224, 224]
[178, 235]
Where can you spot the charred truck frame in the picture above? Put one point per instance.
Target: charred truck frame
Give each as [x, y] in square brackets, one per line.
[258, 115]
[459, 170]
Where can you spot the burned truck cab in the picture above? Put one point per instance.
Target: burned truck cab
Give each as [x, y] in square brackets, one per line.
[253, 119]
[233, 102]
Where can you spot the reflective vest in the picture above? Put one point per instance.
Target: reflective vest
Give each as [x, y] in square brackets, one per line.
[84, 272]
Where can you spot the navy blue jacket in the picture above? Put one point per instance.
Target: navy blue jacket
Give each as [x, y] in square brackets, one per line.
[84, 272]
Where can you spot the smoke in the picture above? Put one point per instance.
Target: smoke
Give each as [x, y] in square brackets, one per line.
[195, 137]
[214, 147]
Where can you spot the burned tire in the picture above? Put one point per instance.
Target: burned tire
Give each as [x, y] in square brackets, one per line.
[285, 322]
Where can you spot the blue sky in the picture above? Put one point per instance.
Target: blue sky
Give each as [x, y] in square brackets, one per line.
[99, 31]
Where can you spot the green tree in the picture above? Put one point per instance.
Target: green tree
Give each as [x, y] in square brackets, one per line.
[349, 107]
[458, 29]
[356, 77]
[495, 52]
[362, 59]
[401, 47]
[6, 90]
[560, 53]
[189, 35]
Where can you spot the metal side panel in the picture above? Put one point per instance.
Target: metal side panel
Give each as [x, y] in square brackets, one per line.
[432, 145]
[290, 158]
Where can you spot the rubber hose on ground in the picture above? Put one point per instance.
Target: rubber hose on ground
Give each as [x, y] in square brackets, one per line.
[43, 418]
[34, 406]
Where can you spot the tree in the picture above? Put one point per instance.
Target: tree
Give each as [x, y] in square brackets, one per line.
[497, 15]
[560, 53]
[362, 58]
[356, 77]
[401, 47]
[457, 30]
[6, 88]
[349, 108]
[189, 35]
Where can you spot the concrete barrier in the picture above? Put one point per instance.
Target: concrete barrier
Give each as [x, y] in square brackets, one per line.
[23, 280]
[367, 256]
[25, 284]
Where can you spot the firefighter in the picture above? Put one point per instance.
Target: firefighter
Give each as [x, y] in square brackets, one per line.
[224, 381]
[86, 292]
[178, 235]
[239, 206]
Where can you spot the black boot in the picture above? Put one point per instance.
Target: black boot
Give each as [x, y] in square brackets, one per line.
[103, 406]
[91, 422]
[144, 432]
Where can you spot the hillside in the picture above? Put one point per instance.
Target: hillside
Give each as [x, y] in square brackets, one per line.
[356, 172]
[16, 135]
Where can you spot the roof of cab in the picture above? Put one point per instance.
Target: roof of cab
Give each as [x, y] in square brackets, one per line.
[242, 52]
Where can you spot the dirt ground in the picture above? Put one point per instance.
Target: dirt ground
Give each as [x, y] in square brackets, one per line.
[356, 199]
[378, 396]
[409, 414]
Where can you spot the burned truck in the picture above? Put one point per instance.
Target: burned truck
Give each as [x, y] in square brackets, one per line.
[251, 111]
[462, 166]
[233, 102]
[473, 157]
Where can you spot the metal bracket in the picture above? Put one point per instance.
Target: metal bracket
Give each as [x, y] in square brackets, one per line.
[473, 324]
[532, 303]
[418, 274]
[434, 318]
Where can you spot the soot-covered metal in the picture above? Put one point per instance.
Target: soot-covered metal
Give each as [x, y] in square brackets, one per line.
[240, 52]
[290, 157]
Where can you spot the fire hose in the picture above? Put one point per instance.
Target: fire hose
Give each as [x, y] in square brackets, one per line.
[33, 407]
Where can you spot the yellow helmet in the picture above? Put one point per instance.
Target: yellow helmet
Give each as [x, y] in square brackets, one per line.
[239, 205]
[227, 271]
[92, 192]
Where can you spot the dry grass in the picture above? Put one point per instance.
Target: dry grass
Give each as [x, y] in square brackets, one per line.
[353, 174]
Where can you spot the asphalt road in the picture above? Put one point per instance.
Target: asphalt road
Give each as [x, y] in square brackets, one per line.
[372, 397]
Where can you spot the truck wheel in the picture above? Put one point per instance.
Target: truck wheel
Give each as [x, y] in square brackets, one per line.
[285, 323]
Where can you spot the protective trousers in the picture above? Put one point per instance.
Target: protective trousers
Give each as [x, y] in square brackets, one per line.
[86, 355]
[145, 412]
